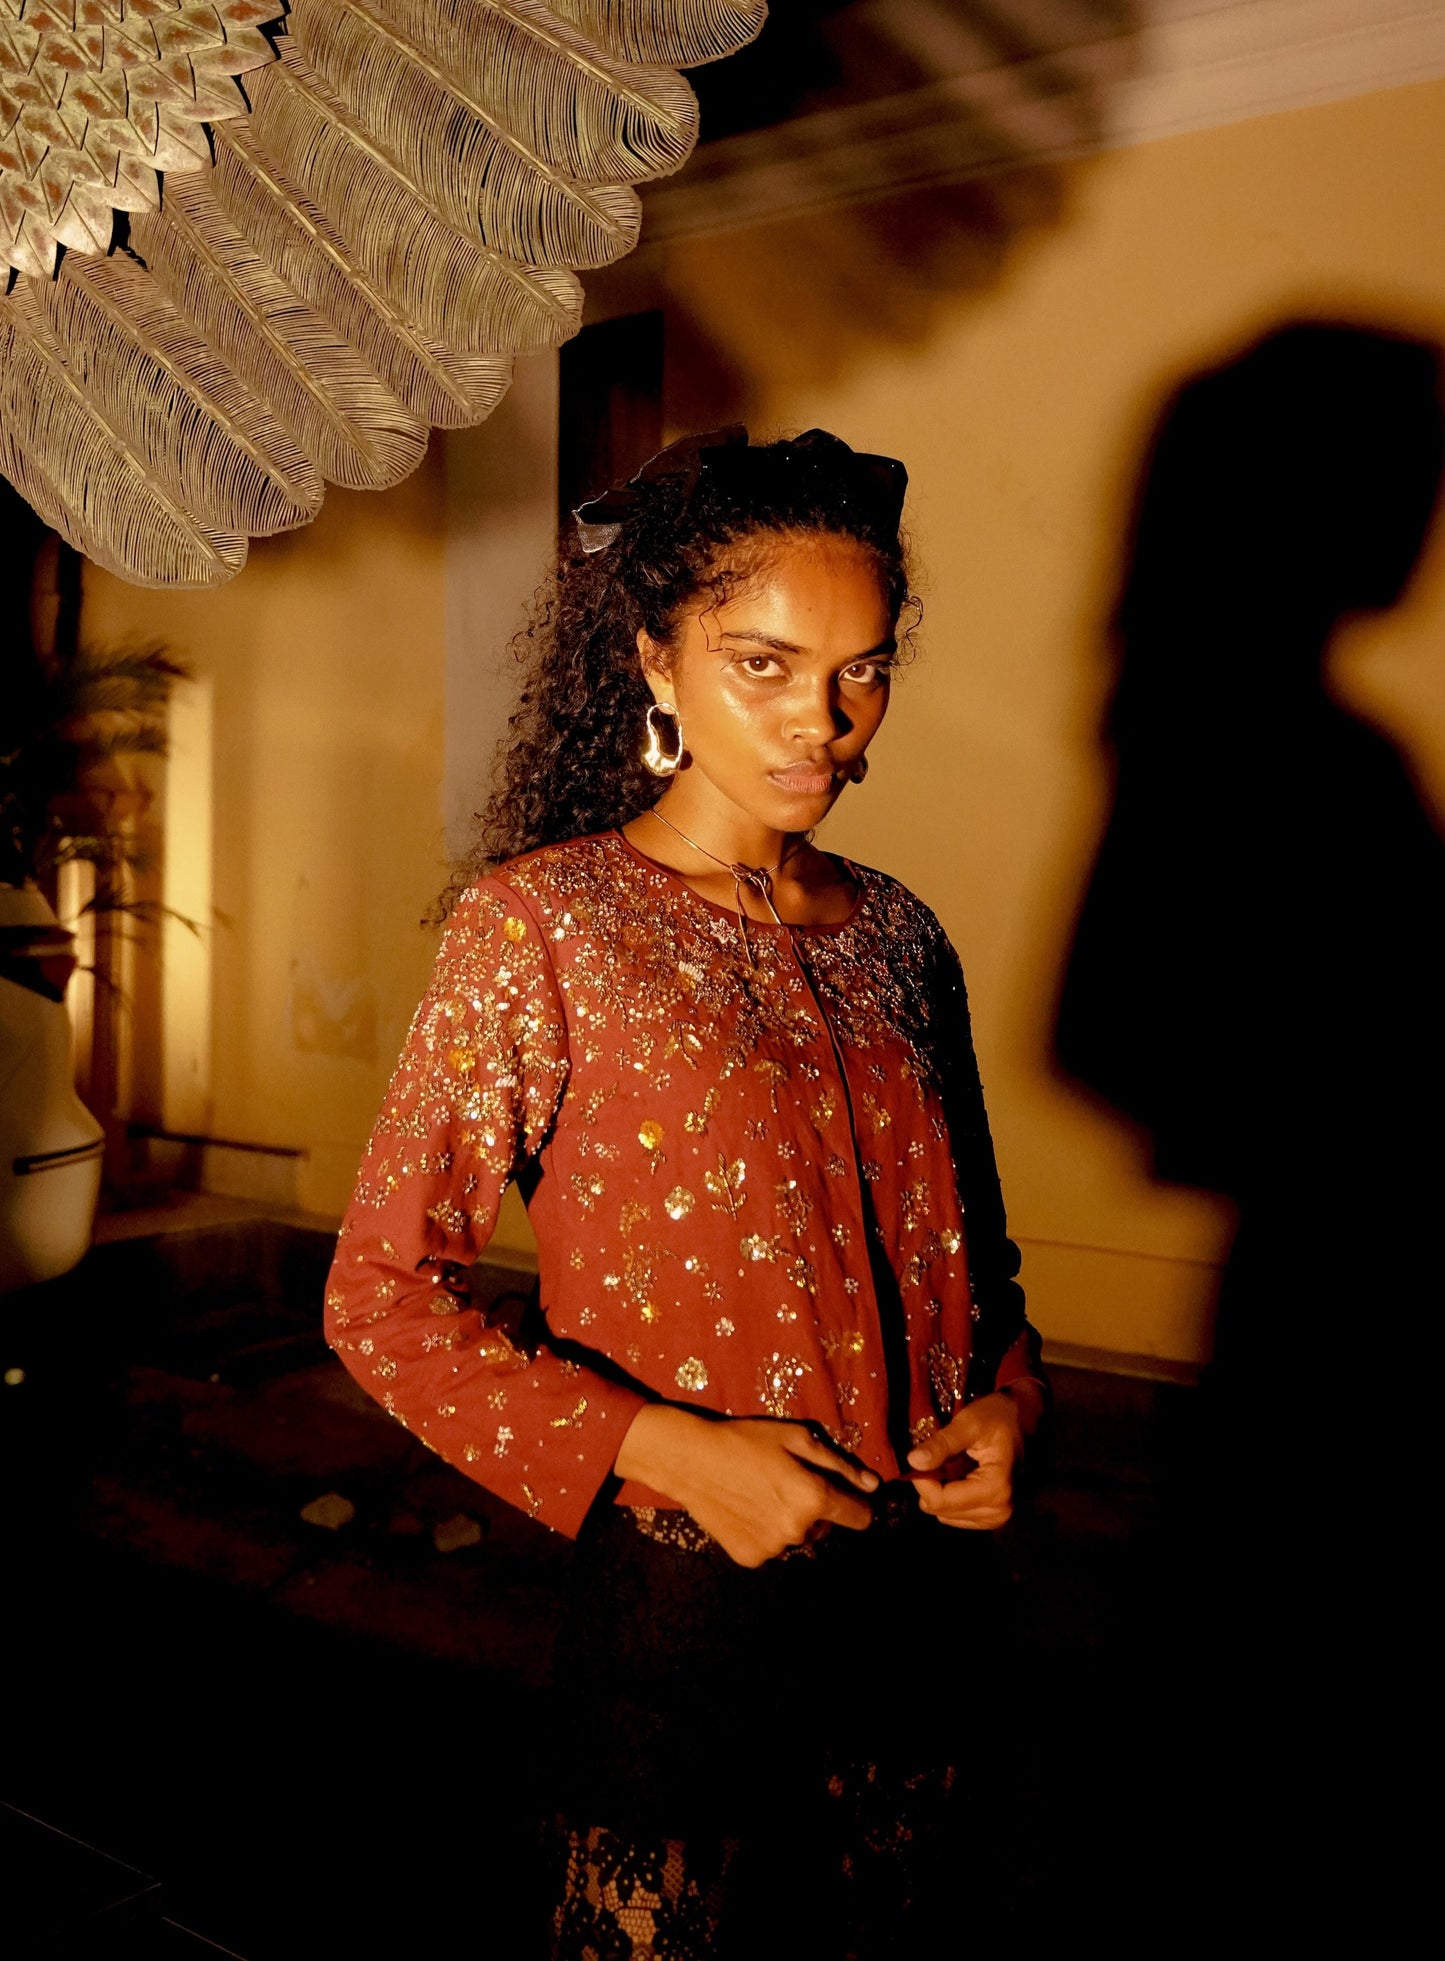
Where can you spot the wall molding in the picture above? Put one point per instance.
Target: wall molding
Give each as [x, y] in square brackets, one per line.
[1194, 64]
[1111, 1361]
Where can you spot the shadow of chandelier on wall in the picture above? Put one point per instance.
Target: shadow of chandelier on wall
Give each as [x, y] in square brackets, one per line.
[867, 165]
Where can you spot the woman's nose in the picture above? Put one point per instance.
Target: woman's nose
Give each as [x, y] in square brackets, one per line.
[817, 716]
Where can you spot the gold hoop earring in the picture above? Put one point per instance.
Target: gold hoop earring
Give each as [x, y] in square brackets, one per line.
[662, 762]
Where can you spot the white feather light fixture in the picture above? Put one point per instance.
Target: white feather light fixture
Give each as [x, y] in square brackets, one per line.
[312, 273]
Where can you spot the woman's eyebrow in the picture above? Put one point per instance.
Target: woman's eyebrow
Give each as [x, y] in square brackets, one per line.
[754, 637]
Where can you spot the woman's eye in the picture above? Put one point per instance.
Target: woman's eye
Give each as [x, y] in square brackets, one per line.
[759, 663]
[869, 672]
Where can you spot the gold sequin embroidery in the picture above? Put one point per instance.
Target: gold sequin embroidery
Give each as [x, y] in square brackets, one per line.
[780, 1379]
[725, 1186]
[587, 1188]
[793, 1205]
[647, 989]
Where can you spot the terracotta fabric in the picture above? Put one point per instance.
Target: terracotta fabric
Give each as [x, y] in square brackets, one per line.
[759, 1171]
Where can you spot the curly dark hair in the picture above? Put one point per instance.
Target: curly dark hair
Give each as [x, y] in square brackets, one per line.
[570, 764]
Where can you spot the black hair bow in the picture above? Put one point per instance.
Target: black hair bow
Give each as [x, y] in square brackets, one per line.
[727, 455]
[600, 519]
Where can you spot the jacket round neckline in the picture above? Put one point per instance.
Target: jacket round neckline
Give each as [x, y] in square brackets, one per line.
[731, 912]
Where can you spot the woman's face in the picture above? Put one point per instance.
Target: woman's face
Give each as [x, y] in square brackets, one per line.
[782, 686]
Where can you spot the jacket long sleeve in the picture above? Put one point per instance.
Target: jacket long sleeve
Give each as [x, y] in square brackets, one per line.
[759, 1174]
[471, 1100]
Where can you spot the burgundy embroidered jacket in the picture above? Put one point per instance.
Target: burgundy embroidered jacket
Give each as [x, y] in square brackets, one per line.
[759, 1186]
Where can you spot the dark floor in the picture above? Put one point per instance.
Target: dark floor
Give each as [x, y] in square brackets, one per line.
[321, 1737]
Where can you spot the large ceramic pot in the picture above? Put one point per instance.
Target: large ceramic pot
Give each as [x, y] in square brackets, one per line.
[50, 1144]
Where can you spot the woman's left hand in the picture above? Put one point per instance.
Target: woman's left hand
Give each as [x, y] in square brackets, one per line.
[990, 1431]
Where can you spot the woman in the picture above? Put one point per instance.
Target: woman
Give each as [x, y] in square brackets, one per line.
[732, 1075]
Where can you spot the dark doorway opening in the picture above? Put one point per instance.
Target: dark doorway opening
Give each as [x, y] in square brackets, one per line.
[610, 418]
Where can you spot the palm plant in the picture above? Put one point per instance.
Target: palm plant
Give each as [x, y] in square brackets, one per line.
[72, 718]
[65, 725]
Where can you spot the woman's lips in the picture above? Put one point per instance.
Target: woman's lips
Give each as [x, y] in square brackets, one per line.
[804, 779]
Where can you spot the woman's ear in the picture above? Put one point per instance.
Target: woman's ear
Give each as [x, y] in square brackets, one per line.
[653, 661]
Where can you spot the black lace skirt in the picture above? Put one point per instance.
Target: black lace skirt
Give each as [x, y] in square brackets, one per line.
[699, 1698]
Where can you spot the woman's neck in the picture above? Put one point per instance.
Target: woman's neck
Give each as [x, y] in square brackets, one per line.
[808, 889]
[718, 829]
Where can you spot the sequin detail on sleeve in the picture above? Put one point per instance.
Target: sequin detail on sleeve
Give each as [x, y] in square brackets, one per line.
[754, 1185]
[485, 1065]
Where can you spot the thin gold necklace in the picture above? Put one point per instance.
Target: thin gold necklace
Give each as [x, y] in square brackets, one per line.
[759, 877]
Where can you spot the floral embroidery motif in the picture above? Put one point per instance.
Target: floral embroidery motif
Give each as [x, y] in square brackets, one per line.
[779, 1381]
[725, 1186]
[820, 1125]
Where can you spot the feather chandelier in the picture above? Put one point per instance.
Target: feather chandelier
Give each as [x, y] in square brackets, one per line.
[255, 248]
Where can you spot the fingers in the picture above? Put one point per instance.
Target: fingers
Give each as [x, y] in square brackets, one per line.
[951, 1471]
[980, 1503]
[986, 1430]
[802, 1443]
[813, 1522]
[841, 1509]
[979, 1519]
[989, 1486]
[809, 1518]
[930, 1455]
[821, 1501]
[959, 1436]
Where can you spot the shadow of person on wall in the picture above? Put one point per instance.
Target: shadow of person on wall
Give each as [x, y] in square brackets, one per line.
[1258, 981]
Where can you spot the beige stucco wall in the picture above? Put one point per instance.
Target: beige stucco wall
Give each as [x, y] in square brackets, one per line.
[1021, 407]
[1019, 399]
[325, 660]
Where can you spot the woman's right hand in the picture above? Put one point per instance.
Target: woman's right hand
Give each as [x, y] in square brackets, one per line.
[757, 1485]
